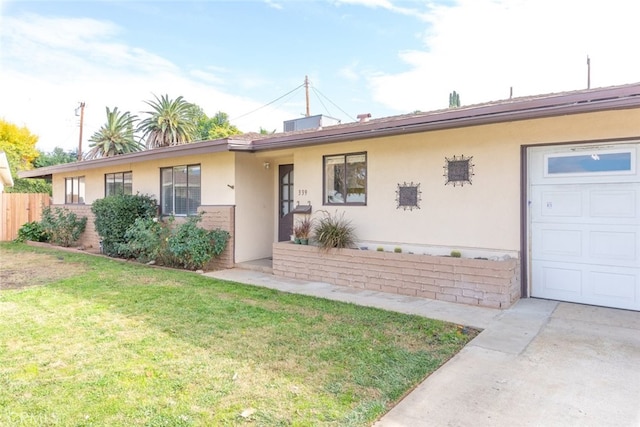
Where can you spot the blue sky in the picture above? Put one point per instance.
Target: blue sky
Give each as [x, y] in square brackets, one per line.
[362, 56]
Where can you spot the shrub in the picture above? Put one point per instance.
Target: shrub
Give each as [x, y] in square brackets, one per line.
[33, 231]
[192, 247]
[397, 250]
[145, 240]
[114, 215]
[62, 226]
[456, 254]
[333, 231]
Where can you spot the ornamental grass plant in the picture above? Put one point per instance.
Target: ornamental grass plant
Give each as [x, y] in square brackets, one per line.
[334, 231]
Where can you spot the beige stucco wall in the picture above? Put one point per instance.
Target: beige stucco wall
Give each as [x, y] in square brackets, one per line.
[218, 171]
[483, 215]
[256, 202]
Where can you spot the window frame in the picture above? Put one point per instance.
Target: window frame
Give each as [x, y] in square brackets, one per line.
[595, 154]
[78, 189]
[187, 167]
[345, 156]
[121, 183]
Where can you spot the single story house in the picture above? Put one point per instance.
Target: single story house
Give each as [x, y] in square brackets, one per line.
[541, 195]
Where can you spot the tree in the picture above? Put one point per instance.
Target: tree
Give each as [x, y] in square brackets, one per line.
[215, 127]
[266, 132]
[115, 137]
[56, 157]
[19, 144]
[222, 128]
[454, 99]
[171, 122]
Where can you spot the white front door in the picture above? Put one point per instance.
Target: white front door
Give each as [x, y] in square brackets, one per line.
[584, 213]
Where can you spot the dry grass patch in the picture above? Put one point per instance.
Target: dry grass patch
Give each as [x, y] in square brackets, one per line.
[22, 269]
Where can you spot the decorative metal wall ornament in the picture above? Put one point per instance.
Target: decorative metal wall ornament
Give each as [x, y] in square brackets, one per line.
[408, 196]
[458, 170]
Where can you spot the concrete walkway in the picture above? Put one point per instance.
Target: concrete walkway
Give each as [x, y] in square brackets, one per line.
[539, 363]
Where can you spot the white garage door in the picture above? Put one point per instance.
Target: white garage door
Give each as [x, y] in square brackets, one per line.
[584, 213]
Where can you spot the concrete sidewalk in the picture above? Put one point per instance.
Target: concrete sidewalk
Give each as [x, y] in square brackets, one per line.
[539, 363]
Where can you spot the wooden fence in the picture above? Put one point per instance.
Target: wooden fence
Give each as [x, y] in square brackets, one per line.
[16, 209]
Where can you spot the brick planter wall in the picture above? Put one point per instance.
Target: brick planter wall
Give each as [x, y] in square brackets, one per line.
[468, 281]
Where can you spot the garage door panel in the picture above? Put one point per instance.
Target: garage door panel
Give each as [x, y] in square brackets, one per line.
[614, 204]
[584, 283]
[598, 204]
[613, 245]
[617, 285]
[556, 241]
[561, 204]
[558, 281]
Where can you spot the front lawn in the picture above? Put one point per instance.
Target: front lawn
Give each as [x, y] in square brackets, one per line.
[91, 341]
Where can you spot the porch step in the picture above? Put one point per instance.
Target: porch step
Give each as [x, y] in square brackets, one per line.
[263, 265]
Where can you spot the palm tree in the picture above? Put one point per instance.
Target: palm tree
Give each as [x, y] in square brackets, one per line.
[114, 137]
[170, 123]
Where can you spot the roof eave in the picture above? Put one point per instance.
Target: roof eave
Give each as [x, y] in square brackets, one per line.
[447, 121]
[194, 148]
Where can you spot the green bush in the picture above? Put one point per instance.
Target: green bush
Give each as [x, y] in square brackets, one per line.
[333, 231]
[114, 215]
[62, 226]
[183, 245]
[144, 240]
[456, 254]
[32, 231]
[192, 247]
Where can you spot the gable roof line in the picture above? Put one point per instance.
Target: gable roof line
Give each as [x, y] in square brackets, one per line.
[525, 108]
[194, 148]
[510, 110]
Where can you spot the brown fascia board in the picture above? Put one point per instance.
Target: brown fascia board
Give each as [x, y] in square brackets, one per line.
[619, 97]
[583, 101]
[194, 148]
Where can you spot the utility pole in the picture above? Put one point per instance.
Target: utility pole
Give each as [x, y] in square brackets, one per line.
[306, 90]
[588, 72]
[81, 108]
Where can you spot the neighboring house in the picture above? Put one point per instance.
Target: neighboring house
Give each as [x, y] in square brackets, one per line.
[548, 183]
[5, 173]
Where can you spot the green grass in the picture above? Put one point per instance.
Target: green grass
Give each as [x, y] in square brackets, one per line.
[122, 344]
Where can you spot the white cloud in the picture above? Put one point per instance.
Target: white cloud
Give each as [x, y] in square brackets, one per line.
[49, 65]
[481, 48]
[272, 4]
[350, 72]
[390, 6]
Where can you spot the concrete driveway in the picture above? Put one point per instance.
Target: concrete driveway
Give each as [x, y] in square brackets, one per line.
[539, 363]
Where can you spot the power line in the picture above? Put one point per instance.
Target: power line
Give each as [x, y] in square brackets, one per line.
[320, 99]
[333, 103]
[266, 105]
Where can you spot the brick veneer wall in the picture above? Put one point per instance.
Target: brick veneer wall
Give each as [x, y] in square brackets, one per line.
[214, 217]
[223, 217]
[469, 281]
[89, 240]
